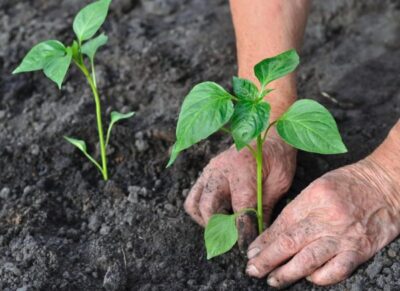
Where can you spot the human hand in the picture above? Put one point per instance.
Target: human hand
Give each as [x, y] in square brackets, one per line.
[229, 182]
[338, 222]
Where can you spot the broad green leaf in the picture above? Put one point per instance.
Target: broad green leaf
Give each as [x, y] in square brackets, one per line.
[220, 234]
[115, 117]
[57, 67]
[248, 121]
[307, 125]
[244, 89]
[204, 111]
[90, 48]
[88, 21]
[271, 69]
[37, 57]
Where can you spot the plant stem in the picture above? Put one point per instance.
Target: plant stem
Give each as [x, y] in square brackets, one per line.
[98, 118]
[266, 131]
[259, 161]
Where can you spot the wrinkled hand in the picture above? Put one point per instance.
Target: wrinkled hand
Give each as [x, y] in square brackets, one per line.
[340, 221]
[229, 182]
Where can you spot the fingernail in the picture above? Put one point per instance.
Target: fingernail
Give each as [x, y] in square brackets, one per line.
[252, 253]
[252, 270]
[273, 282]
[308, 278]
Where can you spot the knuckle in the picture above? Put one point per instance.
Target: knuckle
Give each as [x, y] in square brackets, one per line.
[286, 243]
[206, 209]
[321, 186]
[309, 259]
[343, 269]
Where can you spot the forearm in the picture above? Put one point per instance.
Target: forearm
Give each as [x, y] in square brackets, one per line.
[387, 157]
[265, 28]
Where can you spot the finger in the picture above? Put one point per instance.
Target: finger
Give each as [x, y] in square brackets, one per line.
[215, 196]
[304, 263]
[337, 269]
[280, 225]
[281, 249]
[192, 201]
[244, 196]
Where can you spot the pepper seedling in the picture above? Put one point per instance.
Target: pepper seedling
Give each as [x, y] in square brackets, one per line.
[306, 125]
[54, 58]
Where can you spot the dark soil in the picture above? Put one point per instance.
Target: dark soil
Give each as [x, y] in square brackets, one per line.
[63, 228]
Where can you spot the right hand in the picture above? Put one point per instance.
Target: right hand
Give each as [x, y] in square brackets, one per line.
[228, 182]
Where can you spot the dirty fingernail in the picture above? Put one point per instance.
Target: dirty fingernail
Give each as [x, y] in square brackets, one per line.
[308, 278]
[252, 253]
[252, 270]
[273, 282]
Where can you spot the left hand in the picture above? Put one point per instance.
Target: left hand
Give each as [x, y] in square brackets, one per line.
[338, 222]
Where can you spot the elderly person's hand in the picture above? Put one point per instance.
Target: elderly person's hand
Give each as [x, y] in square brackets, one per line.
[338, 222]
[229, 182]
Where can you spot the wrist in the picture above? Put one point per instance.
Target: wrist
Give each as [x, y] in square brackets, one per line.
[387, 155]
[387, 160]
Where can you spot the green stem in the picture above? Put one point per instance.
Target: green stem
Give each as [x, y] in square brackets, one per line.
[93, 73]
[266, 131]
[98, 118]
[259, 161]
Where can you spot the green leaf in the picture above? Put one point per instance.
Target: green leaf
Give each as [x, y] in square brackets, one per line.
[88, 21]
[80, 144]
[90, 48]
[266, 92]
[220, 234]
[248, 121]
[271, 69]
[115, 117]
[57, 67]
[244, 89]
[204, 111]
[307, 125]
[37, 57]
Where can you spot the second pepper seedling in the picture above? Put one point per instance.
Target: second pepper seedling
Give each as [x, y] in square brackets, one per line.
[54, 58]
[306, 125]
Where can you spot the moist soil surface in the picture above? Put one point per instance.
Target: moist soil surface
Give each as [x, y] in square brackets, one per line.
[63, 228]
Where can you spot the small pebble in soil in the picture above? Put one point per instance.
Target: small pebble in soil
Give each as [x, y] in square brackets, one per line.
[358, 285]
[140, 143]
[169, 207]
[133, 194]
[28, 189]
[115, 278]
[35, 149]
[392, 253]
[5, 193]
[185, 193]
[94, 222]
[2, 114]
[105, 229]
[374, 269]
